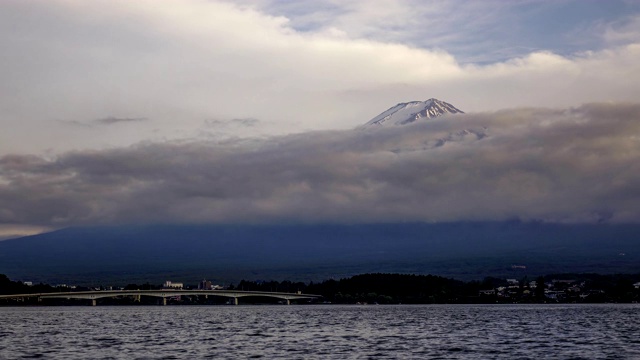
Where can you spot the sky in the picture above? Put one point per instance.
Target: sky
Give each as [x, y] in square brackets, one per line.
[245, 111]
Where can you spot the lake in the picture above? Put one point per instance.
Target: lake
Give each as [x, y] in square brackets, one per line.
[576, 331]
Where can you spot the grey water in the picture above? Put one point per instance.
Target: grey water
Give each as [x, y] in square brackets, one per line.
[603, 331]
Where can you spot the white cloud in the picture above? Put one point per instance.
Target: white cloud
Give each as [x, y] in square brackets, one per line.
[181, 63]
[622, 31]
[10, 231]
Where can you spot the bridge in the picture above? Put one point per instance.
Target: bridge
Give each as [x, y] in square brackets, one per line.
[164, 294]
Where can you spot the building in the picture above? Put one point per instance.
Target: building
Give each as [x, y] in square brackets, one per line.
[204, 285]
[172, 285]
[208, 285]
[487, 292]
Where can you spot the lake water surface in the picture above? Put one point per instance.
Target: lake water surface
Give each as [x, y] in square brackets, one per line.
[609, 331]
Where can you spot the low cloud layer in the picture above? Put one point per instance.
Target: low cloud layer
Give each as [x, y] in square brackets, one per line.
[566, 165]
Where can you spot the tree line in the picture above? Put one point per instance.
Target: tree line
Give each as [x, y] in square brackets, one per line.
[382, 288]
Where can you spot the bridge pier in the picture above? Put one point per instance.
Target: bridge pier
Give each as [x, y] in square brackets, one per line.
[288, 302]
[235, 301]
[94, 302]
[164, 301]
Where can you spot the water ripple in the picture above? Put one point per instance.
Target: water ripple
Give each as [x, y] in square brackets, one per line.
[606, 331]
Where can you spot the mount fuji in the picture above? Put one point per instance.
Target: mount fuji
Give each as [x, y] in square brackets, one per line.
[405, 113]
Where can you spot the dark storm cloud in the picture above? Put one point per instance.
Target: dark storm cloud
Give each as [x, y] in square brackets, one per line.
[74, 123]
[110, 120]
[114, 120]
[554, 165]
[246, 122]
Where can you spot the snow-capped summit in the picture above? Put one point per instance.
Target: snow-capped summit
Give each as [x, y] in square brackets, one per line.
[405, 113]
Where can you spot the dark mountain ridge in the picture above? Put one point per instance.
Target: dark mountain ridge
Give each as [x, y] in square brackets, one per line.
[463, 250]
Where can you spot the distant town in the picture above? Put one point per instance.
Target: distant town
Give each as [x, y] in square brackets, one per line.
[367, 289]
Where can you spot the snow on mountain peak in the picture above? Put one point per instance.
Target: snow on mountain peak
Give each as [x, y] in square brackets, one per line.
[405, 113]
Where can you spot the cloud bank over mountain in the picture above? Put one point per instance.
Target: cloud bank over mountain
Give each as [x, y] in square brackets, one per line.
[560, 165]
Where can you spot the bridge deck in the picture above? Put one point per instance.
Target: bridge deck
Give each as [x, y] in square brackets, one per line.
[161, 293]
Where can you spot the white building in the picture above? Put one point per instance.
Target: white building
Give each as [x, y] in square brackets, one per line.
[172, 285]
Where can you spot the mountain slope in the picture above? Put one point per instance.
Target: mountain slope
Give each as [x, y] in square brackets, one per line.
[119, 255]
[405, 113]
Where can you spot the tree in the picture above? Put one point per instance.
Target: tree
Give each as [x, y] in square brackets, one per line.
[540, 288]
